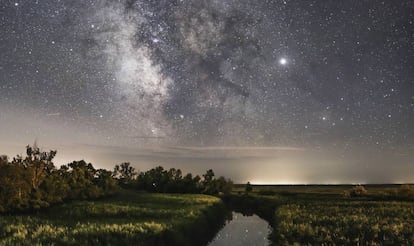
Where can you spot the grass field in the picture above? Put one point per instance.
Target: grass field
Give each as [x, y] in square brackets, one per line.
[322, 215]
[129, 218]
[299, 215]
[315, 190]
[346, 223]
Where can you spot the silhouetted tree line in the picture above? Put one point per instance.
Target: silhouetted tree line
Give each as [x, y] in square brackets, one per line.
[34, 182]
[171, 181]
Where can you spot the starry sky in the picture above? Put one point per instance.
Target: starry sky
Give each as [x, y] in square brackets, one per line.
[272, 91]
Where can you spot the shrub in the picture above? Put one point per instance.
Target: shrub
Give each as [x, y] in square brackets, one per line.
[248, 188]
[406, 190]
[357, 191]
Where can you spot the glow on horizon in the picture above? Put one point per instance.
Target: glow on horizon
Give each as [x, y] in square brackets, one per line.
[277, 182]
[297, 182]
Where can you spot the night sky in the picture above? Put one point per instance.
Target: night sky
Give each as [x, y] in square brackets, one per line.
[268, 91]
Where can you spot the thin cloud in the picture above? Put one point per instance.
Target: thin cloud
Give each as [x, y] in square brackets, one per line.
[236, 148]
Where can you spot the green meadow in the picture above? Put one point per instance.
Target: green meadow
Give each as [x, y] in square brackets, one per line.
[334, 214]
[345, 223]
[298, 215]
[130, 218]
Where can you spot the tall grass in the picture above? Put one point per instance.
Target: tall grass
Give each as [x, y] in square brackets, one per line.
[346, 223]
[130, 218]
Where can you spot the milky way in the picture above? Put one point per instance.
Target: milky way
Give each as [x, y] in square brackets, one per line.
[320, 75]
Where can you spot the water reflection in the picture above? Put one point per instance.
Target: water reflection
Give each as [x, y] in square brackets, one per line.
[243, 230]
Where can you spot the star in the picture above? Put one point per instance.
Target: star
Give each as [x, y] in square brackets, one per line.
[283, 61]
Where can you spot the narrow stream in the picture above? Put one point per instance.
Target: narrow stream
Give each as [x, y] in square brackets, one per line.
[243, 230]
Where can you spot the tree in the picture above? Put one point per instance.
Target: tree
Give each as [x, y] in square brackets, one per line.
[125, 173]
[208, 185]
[197, 184]
[15, 190]
[55, 187]
[224, 185]
[215, 186]
[190, 184]
[33, 182]
[104, 179]
[81, 180]
[152, 180]
[26, 175]
[171, 181]
[38, 164]
[208, 176]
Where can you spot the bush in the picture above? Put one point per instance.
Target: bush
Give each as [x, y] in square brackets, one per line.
[406, 191]
[357, 191]
[248, 188]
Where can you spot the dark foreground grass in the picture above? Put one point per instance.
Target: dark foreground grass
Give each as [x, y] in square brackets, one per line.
[130, 218]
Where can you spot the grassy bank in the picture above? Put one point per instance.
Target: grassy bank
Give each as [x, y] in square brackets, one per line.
[301, 215]
[345, 223]
[322, 215]
[130, 218]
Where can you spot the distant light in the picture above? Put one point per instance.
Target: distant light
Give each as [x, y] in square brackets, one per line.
[16, 4]
[283, 61]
